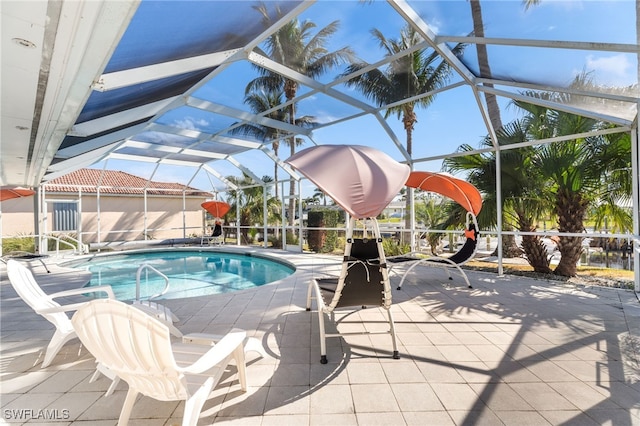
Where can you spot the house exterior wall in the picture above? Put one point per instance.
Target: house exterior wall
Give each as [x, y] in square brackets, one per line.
[121, 217]
[17, 217]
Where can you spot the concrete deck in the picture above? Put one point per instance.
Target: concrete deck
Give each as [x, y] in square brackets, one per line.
[510, 351]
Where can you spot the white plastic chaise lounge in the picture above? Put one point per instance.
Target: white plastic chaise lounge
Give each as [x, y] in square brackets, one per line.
[29, 290]
[25, 284]
[363, 282]
[138, 349]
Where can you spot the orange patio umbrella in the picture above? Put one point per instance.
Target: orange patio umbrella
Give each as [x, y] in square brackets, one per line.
[216, 208]
[9, 193]
[458, 190]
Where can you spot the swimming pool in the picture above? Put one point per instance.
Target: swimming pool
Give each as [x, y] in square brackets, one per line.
[191, 273]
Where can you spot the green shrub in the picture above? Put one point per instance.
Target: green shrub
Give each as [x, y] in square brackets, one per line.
[393, 248]
[276, 242]
[18, 244]
[322, 240]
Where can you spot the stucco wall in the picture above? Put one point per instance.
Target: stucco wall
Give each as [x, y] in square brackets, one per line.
[121, 218]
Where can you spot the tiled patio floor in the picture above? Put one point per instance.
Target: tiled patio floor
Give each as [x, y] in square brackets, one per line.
[512, 351]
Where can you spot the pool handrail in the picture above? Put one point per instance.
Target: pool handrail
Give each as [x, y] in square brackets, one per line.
[152, 308]
[139, 272]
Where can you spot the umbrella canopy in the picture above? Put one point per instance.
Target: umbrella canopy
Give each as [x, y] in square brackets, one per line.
[216, 208]
[360, 179]
[9, 193]
[458, 190]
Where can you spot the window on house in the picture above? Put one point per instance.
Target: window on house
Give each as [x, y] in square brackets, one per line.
[65, 216]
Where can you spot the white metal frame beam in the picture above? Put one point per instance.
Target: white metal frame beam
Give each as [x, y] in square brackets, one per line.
[166, 149]
[241, 115]
[554, 44]
[132, 76]
[118, 119]
[108, 139]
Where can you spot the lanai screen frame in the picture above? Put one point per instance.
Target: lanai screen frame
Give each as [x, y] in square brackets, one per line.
[114, 136]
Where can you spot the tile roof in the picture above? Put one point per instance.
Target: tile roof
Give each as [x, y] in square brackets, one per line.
[117, 182]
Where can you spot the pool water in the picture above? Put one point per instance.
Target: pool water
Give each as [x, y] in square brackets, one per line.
[190, 273]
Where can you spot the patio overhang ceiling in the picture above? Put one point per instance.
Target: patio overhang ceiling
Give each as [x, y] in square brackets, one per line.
[82, 82]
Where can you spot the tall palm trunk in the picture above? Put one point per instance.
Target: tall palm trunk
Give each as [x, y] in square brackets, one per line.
[409, 120]
[290, 89]
[570, 209]
[483, 61]
[275, 146]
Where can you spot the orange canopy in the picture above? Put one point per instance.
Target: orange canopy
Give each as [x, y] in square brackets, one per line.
[9, 193]
[458, 190]
[216, 208]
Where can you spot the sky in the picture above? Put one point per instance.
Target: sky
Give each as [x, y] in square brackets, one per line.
[453, 118]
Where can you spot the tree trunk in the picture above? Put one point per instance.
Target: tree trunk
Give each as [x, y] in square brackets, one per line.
[290, 89]
[275, 146]
[483, 61]
[292, 188]
[409, 119]
[533, 247]
[509, 247]
[570, 209]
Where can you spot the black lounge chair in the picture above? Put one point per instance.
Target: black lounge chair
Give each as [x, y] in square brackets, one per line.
[363, 282]
[451, 263]
[216, 237]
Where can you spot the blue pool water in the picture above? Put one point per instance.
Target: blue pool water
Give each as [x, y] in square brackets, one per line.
[190, 273]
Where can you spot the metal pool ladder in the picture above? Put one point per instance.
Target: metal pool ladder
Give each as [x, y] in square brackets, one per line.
[152, 308]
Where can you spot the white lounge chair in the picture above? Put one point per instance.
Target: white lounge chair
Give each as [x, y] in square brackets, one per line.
[363, 282]
[138, 348]
[25, 284]
[44, 304]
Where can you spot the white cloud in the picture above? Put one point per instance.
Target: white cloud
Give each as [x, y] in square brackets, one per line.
[611, 68]
[191, 123]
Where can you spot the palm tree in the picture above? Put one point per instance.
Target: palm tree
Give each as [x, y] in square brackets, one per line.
[431, 214]
[249, 199]
[418, 72]
[616, 190]
[319, 193]
[580, 170]
[259, 102]
[294, 46]
[493, 110]
[523, 204]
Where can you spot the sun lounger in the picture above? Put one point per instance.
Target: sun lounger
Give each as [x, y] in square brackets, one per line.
[449, 264]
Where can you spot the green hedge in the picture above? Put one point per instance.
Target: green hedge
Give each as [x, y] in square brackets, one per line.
[321, 240]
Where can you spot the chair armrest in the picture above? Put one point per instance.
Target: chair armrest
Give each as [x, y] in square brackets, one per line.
[218, 353]
[84, 290]
[74, 306]
[202, 338]
[62, 308]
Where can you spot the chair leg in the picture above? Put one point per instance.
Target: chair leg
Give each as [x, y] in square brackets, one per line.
[309, 295]
[251, 344]
[57, 341]
[241, 365]
[132, 394]
[101, 369]
[392, 330]
[112, 386]
[193, 405]
[323, 338]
